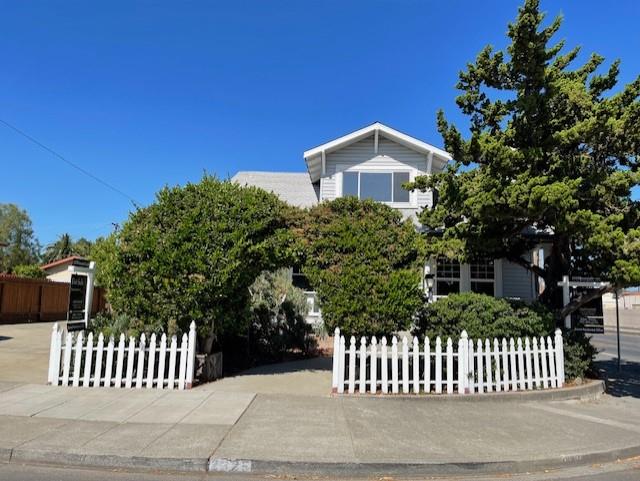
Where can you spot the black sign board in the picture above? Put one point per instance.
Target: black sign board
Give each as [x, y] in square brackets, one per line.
[75, 326]
[77, 297]
[590, 317]
[80, 262]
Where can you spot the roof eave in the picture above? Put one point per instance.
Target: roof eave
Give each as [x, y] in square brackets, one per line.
[313, 157]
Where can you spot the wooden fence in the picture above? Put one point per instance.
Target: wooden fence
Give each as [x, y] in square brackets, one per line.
[79, 362]
[471, 367]
[32, 300]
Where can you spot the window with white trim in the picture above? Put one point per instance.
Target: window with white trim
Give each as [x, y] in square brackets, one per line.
[447, 276]
[299, 280]
[379, 186]
[482, 277]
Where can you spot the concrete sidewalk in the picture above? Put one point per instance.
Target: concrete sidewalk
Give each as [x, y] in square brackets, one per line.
[227, 430]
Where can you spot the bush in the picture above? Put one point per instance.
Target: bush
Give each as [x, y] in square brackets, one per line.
[482, 317]
[112, 325]
[363, 261]
[278, 311]
[32, 271]
[579, 354]
[193, 254]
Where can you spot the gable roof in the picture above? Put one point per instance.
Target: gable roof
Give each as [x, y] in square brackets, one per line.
[294, 188]
[314, 157]
[67, 260]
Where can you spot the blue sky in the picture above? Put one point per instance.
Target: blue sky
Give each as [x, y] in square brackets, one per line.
[144, 94]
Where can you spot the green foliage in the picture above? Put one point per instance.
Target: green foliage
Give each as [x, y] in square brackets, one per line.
[579, 354]
[193, 254]
[482, 317]
[18, 245]
[105, 254]
[363, 261]
[278, 311]
[65, 247]
[112, 325]
[32, 271]
[549, 147]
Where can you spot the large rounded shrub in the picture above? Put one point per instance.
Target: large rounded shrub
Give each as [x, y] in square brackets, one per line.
[363, 261]
[193, 254]
[482, 317]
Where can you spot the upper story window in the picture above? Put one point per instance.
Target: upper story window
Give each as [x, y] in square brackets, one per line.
[482, 276]
[379, 186]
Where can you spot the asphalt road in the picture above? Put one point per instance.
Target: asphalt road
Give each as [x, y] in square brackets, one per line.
[607, 344]
[628, 470]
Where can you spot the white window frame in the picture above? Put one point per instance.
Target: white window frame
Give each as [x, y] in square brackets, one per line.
[439, 277]
[465, 278]
[484, 280]
[413, 197]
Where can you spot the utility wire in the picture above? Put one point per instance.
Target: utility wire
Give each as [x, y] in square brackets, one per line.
[72, 164]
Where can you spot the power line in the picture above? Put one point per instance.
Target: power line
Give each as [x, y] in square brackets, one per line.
[72, 164]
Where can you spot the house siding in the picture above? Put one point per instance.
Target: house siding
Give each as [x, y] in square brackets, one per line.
[391, 156]
[517, 282]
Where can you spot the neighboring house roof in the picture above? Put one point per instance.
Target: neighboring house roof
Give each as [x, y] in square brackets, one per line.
[315, 157]
[292, 187]
[60, 262]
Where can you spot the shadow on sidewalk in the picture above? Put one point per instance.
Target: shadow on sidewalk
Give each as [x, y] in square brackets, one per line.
[5, 338]
[313, 364]
[625, 382]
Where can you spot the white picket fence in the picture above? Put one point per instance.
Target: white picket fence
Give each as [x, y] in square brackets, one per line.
[79, 362]
[472, 367]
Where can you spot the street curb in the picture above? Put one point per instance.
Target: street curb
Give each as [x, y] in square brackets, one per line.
[590, 390]
[275, 468]
[5, 455]
[137, 463]
[265, 467]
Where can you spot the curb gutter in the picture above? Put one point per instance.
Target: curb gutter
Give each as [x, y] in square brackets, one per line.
[265, 467]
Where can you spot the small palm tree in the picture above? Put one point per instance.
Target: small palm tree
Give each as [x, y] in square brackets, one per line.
[61, 248]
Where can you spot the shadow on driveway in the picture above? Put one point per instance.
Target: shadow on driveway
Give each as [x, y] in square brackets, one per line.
[625, 382]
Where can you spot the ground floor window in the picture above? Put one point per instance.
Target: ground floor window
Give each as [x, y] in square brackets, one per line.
[482, 277]
[447, 276]
[299, 280]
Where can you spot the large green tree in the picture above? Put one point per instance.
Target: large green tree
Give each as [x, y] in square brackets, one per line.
[18, 244]
[193, 254]
[553, 150]
[363, 260]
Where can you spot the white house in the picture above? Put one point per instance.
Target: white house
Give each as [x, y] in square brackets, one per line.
[374, 162]
[59, 270]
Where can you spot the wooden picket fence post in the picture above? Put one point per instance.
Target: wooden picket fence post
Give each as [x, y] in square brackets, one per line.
[473, 366]
[79, 362]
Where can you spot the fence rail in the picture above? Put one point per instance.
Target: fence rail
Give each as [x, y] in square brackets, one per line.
[469, 367]
[138, 364]
[33, 300]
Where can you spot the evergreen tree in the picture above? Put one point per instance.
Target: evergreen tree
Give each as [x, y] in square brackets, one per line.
[551, 150]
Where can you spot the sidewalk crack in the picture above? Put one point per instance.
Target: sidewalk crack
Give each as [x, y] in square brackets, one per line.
[249, 404]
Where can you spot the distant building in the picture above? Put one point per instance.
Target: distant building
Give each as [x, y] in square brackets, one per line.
[627, 299]
[58, 270]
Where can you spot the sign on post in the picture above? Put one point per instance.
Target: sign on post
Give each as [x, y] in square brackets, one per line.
[590, 317]
[77, 297]
[80, 294]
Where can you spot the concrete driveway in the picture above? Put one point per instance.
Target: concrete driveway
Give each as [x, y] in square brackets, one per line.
[24, 352]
